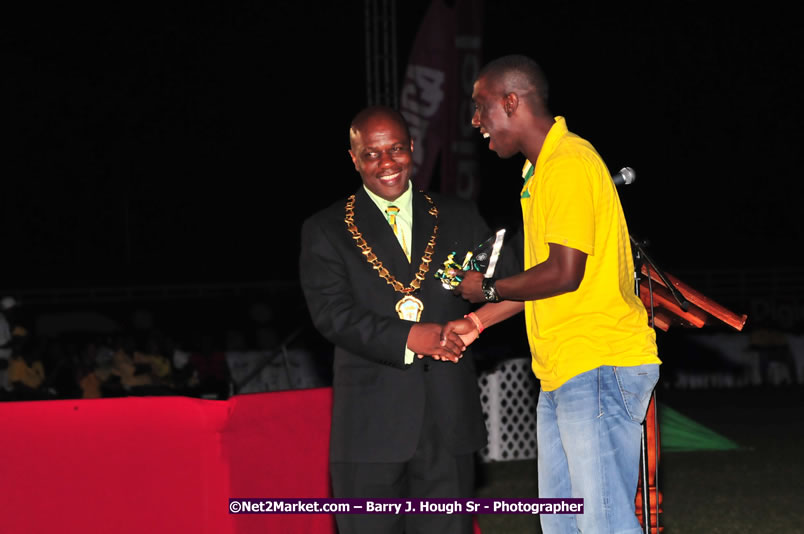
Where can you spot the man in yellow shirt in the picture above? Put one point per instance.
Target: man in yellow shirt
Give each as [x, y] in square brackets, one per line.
[592, 348]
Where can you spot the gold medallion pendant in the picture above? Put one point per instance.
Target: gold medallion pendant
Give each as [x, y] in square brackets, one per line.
[410, 308]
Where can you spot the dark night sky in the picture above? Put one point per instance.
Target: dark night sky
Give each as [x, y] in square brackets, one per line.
[186, 142]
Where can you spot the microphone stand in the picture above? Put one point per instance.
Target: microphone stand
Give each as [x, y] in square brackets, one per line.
[641, 257]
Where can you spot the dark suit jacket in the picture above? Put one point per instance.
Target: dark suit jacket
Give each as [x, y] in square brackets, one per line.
[379, 402]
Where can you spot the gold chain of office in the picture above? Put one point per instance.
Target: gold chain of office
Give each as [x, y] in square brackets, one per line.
[372, 259]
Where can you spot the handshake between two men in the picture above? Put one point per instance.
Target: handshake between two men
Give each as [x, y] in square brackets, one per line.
[448, 342]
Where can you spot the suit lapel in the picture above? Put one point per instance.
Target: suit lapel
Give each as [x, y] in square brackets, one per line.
[380, 236]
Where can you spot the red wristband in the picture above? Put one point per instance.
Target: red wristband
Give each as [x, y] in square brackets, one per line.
[475, 319]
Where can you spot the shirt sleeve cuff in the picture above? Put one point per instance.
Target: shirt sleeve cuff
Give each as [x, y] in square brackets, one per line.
[409, 356]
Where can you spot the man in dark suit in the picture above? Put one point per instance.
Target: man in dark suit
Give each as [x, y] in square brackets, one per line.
[402, 426]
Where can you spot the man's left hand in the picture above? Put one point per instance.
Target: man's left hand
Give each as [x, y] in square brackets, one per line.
[470, 287]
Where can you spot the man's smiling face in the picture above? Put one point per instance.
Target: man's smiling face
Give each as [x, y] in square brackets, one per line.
[491, 118]
[382, 153]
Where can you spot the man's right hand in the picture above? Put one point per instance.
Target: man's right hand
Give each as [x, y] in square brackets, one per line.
[427, 339]
[464, 328]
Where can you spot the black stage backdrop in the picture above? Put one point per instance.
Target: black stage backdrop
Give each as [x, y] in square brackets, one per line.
[184, 142]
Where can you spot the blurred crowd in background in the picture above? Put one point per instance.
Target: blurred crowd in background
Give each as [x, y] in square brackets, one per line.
[38, 362]
[219, 348]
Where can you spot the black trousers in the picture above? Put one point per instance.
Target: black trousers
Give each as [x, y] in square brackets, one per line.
[432, 472]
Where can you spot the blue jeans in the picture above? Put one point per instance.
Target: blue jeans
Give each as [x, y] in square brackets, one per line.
[589, 434]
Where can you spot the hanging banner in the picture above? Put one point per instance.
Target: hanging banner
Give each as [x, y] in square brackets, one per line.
[436, 97]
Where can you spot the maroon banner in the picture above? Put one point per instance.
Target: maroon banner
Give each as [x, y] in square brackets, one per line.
[436, 96]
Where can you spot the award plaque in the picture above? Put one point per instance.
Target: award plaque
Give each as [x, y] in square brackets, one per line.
[483, 258]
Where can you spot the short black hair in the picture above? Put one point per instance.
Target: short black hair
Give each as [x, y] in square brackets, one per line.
[517, 73]
[360, 119]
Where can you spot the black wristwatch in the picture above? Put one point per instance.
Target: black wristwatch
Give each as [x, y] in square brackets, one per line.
[489, 291]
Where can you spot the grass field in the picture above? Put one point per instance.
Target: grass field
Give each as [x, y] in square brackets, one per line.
[758, 488]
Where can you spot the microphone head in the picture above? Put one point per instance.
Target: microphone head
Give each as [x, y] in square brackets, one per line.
[628, 175]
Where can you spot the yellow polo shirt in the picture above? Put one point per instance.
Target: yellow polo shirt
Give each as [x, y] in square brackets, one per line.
[569, 198]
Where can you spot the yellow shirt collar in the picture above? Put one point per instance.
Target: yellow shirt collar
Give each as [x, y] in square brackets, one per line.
[557, 131]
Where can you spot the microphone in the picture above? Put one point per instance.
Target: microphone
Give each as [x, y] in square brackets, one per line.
[626, 176]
